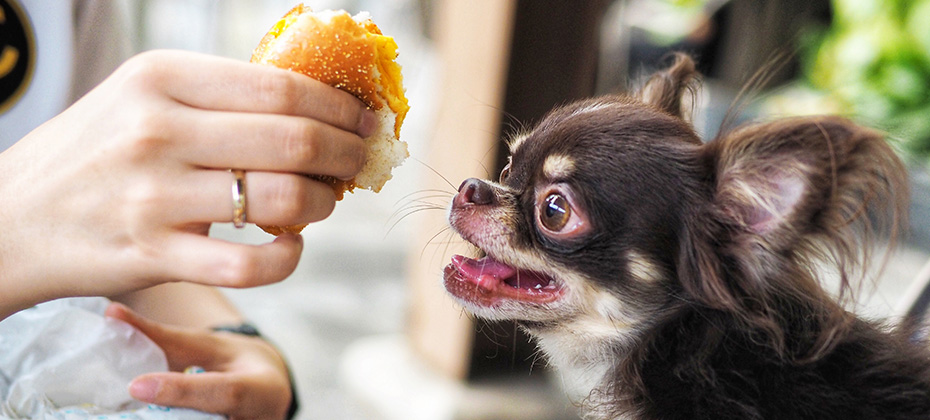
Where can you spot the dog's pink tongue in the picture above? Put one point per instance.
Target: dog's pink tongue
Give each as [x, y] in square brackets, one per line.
[483, 271]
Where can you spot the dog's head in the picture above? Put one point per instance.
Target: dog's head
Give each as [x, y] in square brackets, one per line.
[611, 212]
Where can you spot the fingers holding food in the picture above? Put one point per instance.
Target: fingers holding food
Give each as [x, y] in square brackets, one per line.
[352, 54]
[267, 142]
[230, 85]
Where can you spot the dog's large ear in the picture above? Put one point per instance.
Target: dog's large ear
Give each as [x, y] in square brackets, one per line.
[666, 89]
[785, 193]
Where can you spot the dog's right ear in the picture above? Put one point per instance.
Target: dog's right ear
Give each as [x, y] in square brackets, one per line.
[665, 89]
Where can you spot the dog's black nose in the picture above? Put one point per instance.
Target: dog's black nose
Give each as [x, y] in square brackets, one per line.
[475, 191]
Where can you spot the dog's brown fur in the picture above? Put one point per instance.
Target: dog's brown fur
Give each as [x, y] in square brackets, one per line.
[686, 281]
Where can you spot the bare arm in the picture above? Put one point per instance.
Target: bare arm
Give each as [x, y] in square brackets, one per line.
[183, 304]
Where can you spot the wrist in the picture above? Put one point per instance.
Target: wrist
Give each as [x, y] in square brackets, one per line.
[242, 328]
[247, 329]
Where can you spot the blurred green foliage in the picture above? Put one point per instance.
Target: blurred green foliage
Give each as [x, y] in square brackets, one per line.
[874, 59]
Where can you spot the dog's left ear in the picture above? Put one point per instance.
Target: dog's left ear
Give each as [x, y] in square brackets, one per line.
[783, 191]
[665, 89]
[788, 179]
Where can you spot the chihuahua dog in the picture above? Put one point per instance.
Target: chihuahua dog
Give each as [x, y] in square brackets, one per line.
[675, 279]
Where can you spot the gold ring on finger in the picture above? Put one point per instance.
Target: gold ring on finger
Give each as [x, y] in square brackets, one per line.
[238, 198]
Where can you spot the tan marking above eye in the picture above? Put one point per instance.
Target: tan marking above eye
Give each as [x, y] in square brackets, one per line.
[558, 167]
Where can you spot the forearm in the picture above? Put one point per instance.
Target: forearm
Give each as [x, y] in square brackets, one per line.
[22, 283]
[183, 304]
[12, 300]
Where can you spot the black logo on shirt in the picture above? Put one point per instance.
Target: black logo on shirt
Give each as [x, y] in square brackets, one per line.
[17, 53]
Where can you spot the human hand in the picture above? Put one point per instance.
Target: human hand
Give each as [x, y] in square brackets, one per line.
[118, 192]
[245, 378]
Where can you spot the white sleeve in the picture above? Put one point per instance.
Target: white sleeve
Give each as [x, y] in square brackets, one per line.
[102, 41]
[75, 44]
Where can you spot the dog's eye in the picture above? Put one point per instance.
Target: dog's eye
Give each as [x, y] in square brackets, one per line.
[556, 212]
[505, 173]
[558, 215]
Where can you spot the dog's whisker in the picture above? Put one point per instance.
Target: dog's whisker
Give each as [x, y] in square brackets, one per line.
[430, 192]
[408, 212]
[487, 172]
[442, 201]
[441, 176]
[487, 330]
[412, 208]
[513, 346]
[444, 230]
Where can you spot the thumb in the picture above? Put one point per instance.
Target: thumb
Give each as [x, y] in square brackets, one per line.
[150, 328]
[182, 347]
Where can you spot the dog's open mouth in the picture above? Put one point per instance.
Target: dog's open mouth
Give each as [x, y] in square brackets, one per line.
[486, 282]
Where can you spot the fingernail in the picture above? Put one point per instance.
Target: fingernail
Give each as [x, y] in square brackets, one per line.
[368, 123]
[144, 389]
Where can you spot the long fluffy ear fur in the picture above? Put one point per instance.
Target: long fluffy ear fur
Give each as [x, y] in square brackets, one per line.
[666, 89]
[788, 196]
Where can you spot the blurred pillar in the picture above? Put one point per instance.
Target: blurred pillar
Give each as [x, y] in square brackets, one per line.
[473, 43]
[500, 57]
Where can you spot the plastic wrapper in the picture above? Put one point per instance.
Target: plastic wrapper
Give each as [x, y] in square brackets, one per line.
[65, 360]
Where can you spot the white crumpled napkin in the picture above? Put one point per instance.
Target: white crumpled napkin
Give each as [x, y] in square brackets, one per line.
[65, 360]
